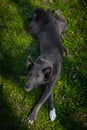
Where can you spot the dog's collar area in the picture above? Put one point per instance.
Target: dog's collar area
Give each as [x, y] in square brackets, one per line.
[42, 60]
[45, 61]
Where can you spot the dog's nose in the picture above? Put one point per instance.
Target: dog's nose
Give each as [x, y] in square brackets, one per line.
[26, 85]
[27, 88]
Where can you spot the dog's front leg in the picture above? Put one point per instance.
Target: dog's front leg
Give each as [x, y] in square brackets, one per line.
[44, 97]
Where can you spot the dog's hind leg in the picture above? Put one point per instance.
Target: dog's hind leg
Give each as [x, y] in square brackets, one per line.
[52, 112]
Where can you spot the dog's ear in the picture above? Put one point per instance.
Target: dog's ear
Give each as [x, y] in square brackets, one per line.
[47, 72]
[62, 24]
[30, 63]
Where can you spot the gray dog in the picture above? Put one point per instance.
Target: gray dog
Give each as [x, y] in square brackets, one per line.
[46, 69]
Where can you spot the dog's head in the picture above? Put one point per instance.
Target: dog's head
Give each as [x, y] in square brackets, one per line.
[38, 73]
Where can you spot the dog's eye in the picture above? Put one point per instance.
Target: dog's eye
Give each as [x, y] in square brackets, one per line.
[37, 76]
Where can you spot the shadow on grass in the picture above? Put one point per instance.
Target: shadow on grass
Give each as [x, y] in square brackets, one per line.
[8, 119]
[12, 67]
[82, 3]
[25, 9]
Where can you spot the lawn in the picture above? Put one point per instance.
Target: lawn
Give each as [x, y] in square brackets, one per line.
[70, 92]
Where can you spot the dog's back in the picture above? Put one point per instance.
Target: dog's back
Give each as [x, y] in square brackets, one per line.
[50, 40]
[44, 26]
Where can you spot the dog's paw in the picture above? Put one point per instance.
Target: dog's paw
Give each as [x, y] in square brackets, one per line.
[52, 114]
[31, 118]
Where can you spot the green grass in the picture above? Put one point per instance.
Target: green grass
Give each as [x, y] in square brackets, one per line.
[16, 45]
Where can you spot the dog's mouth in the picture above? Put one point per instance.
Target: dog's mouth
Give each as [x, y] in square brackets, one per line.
[27, 89]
